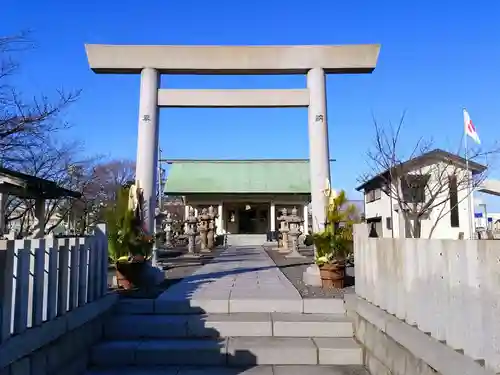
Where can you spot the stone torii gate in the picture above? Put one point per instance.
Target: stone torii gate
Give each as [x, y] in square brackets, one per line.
[152, 61]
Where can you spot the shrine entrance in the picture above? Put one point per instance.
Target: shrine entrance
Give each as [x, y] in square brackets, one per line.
[313, 61]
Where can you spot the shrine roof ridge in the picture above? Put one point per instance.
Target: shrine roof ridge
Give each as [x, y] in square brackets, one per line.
[295, 160]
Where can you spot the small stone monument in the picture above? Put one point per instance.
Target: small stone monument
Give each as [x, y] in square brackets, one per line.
[192, 232]
[284, 230]
[294, 222]
[203, 220]
[159, 217]
[211, 228]
[169, 230]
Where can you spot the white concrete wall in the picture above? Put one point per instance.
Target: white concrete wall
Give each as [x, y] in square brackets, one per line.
[447, 288]
[393, 347]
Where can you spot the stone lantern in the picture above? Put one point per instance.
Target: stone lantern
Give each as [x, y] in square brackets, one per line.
[284, 230]
[169, 230]
[203, 220]
[191, 231]
[294, 222]
[211, 228]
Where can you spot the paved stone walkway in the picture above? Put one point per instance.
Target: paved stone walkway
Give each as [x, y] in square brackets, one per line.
[240, 279]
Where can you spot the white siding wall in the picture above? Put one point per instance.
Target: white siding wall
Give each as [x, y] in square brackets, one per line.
[443, 229]
[380, 208]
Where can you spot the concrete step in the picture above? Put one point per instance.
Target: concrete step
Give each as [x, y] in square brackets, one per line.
[201, 306]
[252, 370]
[246, 239]
[237, 351]
[228, 325]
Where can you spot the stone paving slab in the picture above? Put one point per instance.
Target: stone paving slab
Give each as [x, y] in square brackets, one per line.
[324, 305]
[251, 370]
[181, 352]
[311, 325]
[148, 326]
[226, 325]
[240, 279]
[232, 351]
[265, 304]
[271, 350]
[320, 370]
[338, 351]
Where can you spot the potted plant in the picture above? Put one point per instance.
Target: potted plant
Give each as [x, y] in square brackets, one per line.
[308, 239]
[129, 246]
[334, 243]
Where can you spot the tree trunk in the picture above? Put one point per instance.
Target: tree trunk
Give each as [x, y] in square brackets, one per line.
[413, 227]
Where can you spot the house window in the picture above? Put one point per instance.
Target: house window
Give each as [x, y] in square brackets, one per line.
[388, 223]
[413, 188]
[454, 213]
[372, 195]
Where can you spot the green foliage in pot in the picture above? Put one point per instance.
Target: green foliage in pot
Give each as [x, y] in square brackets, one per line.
[133, 238]
[309, 240]
[126, 235]
[115, 215]
[334, 243]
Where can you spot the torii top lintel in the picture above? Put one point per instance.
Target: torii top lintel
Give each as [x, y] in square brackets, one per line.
[168, 59]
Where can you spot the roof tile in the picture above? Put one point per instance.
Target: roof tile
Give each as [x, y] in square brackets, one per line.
[238, 176]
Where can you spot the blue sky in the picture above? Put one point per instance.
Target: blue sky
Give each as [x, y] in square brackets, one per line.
[436, 57]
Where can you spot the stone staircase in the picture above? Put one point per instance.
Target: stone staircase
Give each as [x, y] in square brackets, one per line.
[246, 239]
[147, 337]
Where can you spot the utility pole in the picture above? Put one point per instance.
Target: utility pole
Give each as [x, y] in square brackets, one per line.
[160, 179]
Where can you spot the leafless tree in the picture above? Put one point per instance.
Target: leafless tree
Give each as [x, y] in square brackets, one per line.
[425, 180]
[107, 178]
[60, 163]
[24, 123]
[97, 181]
[113, 174]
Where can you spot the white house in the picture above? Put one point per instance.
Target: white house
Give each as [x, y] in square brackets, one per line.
[432, 186]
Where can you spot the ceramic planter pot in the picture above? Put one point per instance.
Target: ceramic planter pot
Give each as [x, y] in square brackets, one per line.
[122, 282]
[139, 258]
[332, 275]
[129, 274]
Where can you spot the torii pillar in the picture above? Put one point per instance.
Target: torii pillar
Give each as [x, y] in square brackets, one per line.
[314, 61]
[147, 143]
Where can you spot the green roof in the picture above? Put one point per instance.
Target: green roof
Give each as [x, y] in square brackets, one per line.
[238, 176]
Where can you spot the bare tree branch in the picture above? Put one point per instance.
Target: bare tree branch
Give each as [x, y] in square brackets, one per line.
[25, 123]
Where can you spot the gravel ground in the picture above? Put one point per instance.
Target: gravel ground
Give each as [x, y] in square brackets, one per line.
[176, 266]
[293, 269]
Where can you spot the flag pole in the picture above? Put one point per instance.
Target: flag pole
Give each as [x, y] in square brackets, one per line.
[470, 216]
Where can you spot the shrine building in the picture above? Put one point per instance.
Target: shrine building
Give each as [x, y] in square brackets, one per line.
[247, 194]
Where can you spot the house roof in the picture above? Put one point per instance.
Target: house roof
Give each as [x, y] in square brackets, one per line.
[27, 186]
[265, 176]
[428, 158]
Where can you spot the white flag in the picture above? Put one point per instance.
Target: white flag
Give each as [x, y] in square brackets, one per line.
[470, 129]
